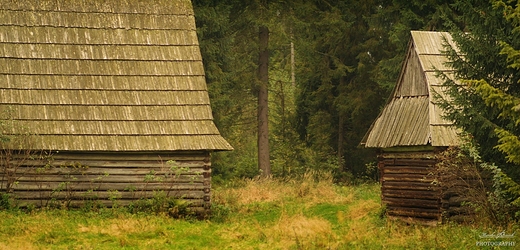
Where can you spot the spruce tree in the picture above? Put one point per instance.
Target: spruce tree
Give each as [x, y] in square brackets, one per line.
[485, 97]
[486, 103]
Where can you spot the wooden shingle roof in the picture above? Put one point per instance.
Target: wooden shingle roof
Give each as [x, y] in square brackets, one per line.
[411, 116]
[122, 75]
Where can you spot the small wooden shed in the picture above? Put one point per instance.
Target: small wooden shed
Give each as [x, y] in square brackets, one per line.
[410, 133]
[115, 91]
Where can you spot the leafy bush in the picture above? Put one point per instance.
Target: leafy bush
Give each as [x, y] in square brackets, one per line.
[160, 203]
[5, 201]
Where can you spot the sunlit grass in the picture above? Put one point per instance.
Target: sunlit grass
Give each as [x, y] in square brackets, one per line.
[307, 213]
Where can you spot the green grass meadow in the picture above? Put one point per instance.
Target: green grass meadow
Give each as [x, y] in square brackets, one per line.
[249, 214]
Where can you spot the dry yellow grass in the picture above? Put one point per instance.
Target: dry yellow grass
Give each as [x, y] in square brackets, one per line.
[116, 227]
[17, 244]
[362, 209]
[359, 227]
[300, 229]
[313, 188]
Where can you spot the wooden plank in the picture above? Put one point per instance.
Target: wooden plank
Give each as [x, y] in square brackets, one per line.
[106, 171]
[407, 170]
[414, 209]
[433, 214]
[196, 204]
[408, 178]
[102, 178]
[124, 195]
[410, 194]
[414, 166]
[111, 164]
[84, 186]
[409, 153]
[128, 156]
[415, 162]
[407, 185]
[411, 203]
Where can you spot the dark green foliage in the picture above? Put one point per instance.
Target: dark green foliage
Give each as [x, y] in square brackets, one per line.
[160, 203]
[336, 98]
[480, 102]
[5, 201]
[351, 60]
[347, 58]
[220, 213]
[228, 56]
[485, 102]
[393, 22]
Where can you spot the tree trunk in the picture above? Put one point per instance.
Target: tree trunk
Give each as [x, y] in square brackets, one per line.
[293, 64]
[341, 133]
[263, 129]
[341, 121]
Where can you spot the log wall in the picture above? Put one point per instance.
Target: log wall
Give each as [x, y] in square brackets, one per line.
[430, 186]
[72, 179]
[408, 185]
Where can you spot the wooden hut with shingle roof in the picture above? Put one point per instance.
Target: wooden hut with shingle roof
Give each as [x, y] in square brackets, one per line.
[116, 91]
[411, 131]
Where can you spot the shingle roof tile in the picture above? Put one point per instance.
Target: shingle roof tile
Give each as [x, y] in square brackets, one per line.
[106, 76]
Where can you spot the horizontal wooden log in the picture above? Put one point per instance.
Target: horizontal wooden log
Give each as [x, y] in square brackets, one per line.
[124, 195]
[111, 178]
[90, 174]
[410, 194]
[107, 171]
[411, 203]
[109, 164]
[84, 186]
[408, 155]
[395, 165]
[196, 204]
[408, 178]
[127, 156]
[407, 170]
[415, 213]
[409, 162]
[408, 185]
